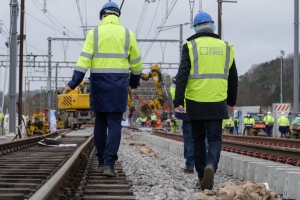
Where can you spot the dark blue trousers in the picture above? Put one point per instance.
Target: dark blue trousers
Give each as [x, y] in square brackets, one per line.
[268, 131]
[188, 144]
[107, 137]
[213, 129]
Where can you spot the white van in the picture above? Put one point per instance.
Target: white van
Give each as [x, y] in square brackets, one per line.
[5, 129]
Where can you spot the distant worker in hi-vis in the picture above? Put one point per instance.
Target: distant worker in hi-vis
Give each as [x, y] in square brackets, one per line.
[269, 122]
[207, 79]
[283, 124]
[108, 51]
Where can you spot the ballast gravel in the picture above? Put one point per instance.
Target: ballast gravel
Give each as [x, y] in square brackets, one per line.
[161, 177]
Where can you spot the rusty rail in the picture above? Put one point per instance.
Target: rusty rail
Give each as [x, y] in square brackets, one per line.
[275, 149]
[23, 143]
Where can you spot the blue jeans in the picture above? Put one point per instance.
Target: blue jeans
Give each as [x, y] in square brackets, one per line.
[268, 131]
[237, 130]
[213, 129]
[188, 144]
[107, 144]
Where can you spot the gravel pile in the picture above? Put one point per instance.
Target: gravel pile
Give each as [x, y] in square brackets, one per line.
[161, 177]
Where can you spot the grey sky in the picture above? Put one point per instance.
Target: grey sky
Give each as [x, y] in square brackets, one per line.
[257, 29]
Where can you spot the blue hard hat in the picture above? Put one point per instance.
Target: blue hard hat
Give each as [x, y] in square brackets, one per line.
[248, 113]
[202, 17]
[109, 5]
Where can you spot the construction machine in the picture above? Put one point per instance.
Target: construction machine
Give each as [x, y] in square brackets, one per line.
[258, 128]
[39, 123]
[74, 107]
[158, 102]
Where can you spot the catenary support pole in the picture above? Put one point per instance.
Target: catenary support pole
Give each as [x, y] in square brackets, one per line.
[49, 92]
[296, 55]
[13, 68]
[220, 19]
[281, 63]
[20, 107]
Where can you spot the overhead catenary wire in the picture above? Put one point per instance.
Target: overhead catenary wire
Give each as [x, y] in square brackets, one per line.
[142, 18]
[168, 12]
[62, 29]
[151, 23]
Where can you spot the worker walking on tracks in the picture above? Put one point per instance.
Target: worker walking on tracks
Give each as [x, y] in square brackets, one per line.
[248, 123]
[108, 51]
[153, 119]
[143, 121]
[269, 122]
[207, 79]
[283, 124]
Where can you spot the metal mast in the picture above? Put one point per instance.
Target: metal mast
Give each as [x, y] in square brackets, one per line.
[13, 67]
[296, 55]
[21, 66]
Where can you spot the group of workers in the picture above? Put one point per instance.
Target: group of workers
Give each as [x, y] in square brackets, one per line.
[154, 122]
[206, 81]
[283, 124]
[151, 121]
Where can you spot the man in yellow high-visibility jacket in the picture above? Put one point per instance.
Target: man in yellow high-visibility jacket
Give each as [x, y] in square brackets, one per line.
[269, 122]
[153, 119]
[143, 121]
[108, 51]
[283, 124]
[207, 79]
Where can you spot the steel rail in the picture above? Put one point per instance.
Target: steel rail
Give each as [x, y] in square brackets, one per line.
[20, 144]
[261, 139]
[270, 151]
[257, 150]
[48, 190]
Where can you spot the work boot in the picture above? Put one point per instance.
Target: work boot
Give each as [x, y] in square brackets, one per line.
[208, 180]
[110, 171]
[100, 167]
[188, 171]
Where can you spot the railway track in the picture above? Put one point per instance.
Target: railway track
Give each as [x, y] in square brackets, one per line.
[274, 149]
[32, 171]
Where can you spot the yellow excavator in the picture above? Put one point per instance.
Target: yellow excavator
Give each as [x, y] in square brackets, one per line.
[74, 107]
[158, 102]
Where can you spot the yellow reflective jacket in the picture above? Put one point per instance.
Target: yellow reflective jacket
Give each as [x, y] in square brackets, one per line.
[207, 83]
[283, 121]
[249, 120]
[101, 56]
[268, 119]
[109, 51]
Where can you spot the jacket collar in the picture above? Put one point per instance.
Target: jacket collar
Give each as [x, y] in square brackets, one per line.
[110, 19]
[202, 34]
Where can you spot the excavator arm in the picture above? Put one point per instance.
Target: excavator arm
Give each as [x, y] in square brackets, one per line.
[158, 102]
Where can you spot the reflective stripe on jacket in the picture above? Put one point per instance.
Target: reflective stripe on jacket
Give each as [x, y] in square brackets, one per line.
[101, 56]
[211, 60]
[283, 121]
[109, 50]
[249, 120]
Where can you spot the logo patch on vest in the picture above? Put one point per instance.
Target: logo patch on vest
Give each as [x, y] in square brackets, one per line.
[209, 51]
